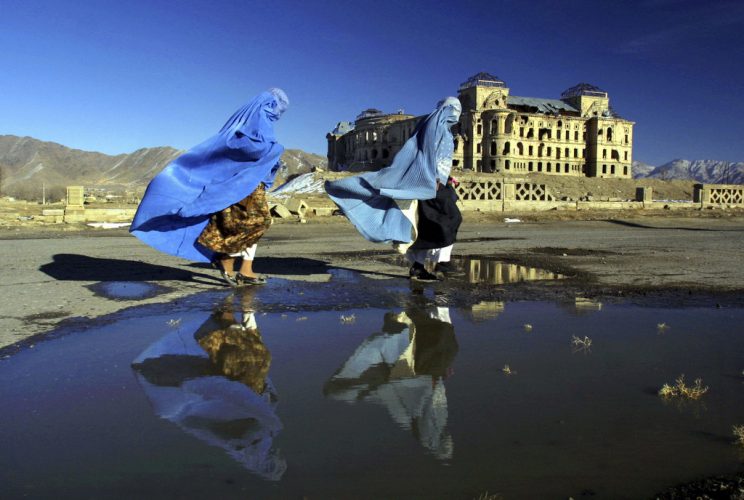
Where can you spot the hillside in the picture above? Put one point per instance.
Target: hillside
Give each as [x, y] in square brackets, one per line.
[27, 163]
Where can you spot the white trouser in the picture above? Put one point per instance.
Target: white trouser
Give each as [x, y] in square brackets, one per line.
[435, 255]
[247, 254]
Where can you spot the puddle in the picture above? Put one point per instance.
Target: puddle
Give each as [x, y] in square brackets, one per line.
[500, 273]
[490, 271]
[234, 398]
[127, 290]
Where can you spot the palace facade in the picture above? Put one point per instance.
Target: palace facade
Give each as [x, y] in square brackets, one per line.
[578, 134]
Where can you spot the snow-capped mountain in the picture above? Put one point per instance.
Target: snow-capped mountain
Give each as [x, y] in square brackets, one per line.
[705, 171]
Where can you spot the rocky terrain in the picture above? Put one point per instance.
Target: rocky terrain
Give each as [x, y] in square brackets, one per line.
[27, 163]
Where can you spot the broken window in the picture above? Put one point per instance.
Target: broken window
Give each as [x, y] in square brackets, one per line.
[609, 134]
[507, 148]
[509, 124]
[520, 149]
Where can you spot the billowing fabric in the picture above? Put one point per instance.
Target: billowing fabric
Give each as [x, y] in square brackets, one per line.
[213, 380]
[239, 226]
[403, 369]
[369, 199]
[210, 177]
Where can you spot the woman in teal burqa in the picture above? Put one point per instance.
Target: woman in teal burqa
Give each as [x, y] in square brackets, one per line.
[383, 205]
[209, 204]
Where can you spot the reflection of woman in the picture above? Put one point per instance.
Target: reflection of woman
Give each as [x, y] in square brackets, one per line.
[381, 204]
[209, 204]
[403, 368]
[213, 384]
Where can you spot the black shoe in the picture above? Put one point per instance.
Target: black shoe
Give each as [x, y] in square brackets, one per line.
[419, 273]
[444, 268]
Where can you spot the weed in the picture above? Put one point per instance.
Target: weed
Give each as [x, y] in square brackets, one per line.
[681, 390]
[527, 327]
[738, 431]
[508, 371]
[581, 344]
[347, 320]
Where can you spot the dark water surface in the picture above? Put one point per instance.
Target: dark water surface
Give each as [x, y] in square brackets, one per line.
[227, 400]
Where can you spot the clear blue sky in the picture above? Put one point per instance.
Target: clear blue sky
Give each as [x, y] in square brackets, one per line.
[115, 76]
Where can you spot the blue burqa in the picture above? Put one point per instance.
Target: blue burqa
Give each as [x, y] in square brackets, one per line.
[368, 200]
[210, 177]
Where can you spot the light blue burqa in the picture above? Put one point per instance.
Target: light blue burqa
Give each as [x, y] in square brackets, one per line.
[368, 200]
[210, 177]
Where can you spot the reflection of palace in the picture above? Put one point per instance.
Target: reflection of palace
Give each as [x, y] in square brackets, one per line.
[403, 369]
[212, 382]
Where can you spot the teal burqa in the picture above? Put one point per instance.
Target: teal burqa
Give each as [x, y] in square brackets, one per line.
[210, 177]
[368, 200]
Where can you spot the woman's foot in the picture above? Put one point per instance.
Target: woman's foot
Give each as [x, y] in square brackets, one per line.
[246, 276]
[243, 280]
[226, 267]
[419, 273]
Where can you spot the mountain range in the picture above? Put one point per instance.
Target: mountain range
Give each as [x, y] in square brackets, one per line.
[27, 163]
[704, 171]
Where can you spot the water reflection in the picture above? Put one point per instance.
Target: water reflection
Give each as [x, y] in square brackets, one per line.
[403, 368]
[498, 273]
[212, 382]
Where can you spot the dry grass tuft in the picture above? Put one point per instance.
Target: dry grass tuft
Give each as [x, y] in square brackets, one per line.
[579, 343]
[738, 431]
[347, 320]
[508, 371]
[662, 327]
[489, 496]
[681, 390]
[527, 327]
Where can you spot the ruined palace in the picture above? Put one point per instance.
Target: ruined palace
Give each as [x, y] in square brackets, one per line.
[579, 134]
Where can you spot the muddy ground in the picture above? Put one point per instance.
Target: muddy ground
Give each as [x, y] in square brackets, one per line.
[55, 274]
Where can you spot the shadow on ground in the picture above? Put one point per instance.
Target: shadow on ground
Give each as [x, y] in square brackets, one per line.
[73, 267]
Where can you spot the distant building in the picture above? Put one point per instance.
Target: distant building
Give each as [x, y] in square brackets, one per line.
[578, 134]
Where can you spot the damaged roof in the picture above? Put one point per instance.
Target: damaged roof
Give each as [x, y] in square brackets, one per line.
[547, 106]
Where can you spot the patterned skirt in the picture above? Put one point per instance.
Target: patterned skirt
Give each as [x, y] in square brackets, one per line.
[239, 226]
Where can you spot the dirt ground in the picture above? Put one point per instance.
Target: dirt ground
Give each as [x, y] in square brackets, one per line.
[55, 273]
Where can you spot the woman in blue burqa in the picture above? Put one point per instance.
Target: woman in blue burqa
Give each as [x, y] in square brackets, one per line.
[410, 203]
[209, 204]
